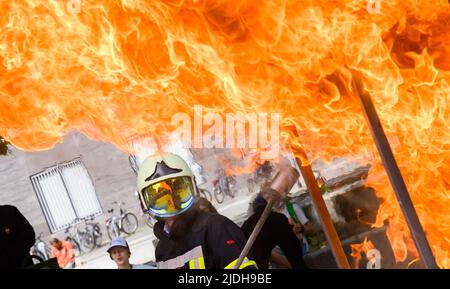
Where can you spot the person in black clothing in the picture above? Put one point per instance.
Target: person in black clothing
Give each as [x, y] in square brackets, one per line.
[199, 240]
[189, 237]
[276, 231]
[16, 238]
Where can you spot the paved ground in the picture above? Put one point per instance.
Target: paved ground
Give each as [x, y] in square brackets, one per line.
[141, 243]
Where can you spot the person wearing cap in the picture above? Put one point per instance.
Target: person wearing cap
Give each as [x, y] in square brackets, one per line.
[120, 253]
[189, 238]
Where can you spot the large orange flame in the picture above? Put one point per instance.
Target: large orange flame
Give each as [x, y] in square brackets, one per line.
[121, 68]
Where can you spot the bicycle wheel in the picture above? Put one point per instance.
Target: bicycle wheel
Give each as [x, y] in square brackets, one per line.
[129, 223]
[113, 230]
[40, 255]
[219, 195]
[87, 241]
[205, 194]
[97, 235]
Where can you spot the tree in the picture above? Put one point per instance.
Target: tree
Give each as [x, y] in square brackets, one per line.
[3, 146]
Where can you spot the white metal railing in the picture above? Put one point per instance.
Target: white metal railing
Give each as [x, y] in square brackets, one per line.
[66, 194]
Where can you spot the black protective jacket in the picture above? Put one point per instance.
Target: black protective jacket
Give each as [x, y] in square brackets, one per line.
[16, 238]
[200, 240]
[276, 231]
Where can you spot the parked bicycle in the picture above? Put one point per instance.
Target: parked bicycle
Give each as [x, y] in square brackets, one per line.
[125, 222]
[223, 186]
[40, 249]
[82, 241]
[204, 193]
[94, 229]
[149, 220]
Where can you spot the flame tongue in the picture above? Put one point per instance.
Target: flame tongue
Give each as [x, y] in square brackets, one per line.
[122, 68]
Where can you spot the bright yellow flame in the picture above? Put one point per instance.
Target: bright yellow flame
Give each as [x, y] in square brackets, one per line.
[122, 68]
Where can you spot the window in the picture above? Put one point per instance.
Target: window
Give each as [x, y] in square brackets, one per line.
[66, 194]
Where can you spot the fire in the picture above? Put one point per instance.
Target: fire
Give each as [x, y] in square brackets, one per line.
[122, 68]
[357, 249]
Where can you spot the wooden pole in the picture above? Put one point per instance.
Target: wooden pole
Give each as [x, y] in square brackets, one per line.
[320, 206]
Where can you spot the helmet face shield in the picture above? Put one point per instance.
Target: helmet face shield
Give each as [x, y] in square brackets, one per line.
[169, 197]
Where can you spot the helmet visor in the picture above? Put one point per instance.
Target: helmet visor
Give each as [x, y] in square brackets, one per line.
[169, 197]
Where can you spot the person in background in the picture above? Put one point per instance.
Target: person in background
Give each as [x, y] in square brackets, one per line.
[63, 252]
[16, 238]
[120, 253]
[298, 220]
[276, 231]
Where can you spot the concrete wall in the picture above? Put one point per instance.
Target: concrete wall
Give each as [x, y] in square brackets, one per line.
[108, 167]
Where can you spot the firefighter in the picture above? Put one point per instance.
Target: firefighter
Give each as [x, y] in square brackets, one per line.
[188, 237]
[16, 238]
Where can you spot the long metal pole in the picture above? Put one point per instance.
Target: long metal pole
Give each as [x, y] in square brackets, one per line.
[255, 233]
[320, 206]
[394, 174]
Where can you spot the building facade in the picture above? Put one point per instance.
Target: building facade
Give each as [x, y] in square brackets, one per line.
[25, 177]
